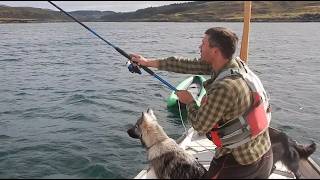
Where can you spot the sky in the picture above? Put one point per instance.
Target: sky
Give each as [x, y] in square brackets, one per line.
[117, 6]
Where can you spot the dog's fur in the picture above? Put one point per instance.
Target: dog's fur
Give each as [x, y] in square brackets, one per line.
[168, 160]
[288, 151]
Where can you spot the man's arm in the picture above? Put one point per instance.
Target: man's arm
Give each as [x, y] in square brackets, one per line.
[173, 64]
[185, 66]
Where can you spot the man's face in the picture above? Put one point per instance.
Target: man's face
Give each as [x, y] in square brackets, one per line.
[206, 50]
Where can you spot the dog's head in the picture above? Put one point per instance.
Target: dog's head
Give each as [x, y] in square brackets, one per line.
[147, 129]
[143, 123]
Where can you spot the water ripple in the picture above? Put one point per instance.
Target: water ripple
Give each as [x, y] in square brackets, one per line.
[11, 60]
[80, 117]
[98, 171]
[4, 137]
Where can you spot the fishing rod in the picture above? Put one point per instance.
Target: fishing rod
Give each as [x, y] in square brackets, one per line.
[132, 68]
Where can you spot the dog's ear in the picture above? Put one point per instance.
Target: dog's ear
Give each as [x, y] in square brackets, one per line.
[143, 116]
[150, 112]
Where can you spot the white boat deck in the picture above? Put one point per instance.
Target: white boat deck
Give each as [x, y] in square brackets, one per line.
[203, 149]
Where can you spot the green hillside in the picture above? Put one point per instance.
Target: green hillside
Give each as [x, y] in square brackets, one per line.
[28, 14]
[207, 11]
[197, 11]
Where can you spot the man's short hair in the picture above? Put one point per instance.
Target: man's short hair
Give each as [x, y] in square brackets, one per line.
[223, 38]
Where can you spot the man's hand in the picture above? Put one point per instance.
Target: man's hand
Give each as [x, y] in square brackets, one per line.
[184, 96]
[140, 60]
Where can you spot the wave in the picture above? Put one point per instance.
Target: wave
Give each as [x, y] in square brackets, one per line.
[99, 171]
[11, 60]
[2, 137]
[72, 130]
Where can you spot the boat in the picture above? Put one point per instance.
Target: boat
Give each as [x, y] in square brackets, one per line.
[203, 149]
[194, 84]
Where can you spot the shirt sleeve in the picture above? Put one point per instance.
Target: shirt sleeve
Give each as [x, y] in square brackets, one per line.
[185, 66]
[218, 101]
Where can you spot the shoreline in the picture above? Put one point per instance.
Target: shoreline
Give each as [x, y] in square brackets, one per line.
[254, 21]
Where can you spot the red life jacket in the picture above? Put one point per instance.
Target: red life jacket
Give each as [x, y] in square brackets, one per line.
[249, 125]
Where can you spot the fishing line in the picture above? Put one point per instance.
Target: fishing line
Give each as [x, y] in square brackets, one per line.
[185, 129]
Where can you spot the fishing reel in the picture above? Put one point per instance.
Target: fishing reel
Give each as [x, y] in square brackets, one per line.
[133, 68]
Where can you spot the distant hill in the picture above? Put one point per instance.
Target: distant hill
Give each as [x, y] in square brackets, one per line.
[29, 14]
[197, 11]
[208, 11]
[90, 15]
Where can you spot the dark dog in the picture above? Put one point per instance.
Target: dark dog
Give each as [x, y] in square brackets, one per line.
[167, 159]
[288, 151]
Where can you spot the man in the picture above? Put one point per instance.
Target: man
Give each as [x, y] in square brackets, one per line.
[229, 98]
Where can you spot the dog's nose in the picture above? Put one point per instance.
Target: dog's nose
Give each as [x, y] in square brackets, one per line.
[131, 132]
[131, 127]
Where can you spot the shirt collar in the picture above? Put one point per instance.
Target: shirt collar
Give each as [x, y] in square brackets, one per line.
[231, 64]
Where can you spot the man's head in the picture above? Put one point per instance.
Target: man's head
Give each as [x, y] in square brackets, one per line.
[218, 43]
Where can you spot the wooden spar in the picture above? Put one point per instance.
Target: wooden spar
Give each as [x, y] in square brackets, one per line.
[246, 29]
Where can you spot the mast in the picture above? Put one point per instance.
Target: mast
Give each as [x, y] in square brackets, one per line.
[246, 29]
